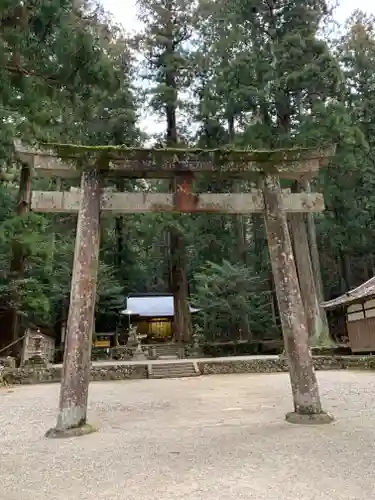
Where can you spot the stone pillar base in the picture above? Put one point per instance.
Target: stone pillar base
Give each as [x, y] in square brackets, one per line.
[309, 419]
[72, 432]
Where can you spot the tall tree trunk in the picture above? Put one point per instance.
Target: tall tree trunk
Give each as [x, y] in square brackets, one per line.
[17, 267]
[315, 259]
[231, 129]
[259, 235]
[305, 276]
[179, 282]
[345, 271]
[315, 315]
[53, 235]
[119, 230]
[370, 266]
[259, 241]
[240, 239]
[240, 247]
[240, 250]
[183, 331]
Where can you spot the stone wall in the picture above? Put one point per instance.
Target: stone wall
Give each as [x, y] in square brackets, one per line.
[115, 371]
[272, 365]
[40, 375]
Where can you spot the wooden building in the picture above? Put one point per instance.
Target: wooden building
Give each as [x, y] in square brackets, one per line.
[358, 305]
[153, 314]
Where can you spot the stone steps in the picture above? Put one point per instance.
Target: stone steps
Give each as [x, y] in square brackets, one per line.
[173, 370]
[164, 351]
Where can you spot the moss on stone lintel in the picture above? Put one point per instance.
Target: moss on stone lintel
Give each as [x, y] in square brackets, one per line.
[174, 157]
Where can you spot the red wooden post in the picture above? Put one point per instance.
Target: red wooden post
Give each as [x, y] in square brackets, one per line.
[185, 200]
[72, 414]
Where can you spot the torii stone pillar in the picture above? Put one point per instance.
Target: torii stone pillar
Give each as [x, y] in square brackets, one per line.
[307, 405]
[71, 420]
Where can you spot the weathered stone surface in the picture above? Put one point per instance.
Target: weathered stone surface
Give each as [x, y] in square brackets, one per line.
[76, 371]
[213, 367]
[164, 163]
[8, 362]
[273, 365]
[122, 353]
[69, 433]
[31, 375]
[118, 372]
[107, 372]
[305, 389]
[307, 419]
[124, 203]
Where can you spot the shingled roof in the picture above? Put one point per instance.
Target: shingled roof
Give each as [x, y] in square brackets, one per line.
[151, 306]
[364, 291]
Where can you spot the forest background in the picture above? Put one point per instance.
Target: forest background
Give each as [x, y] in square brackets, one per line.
[225, 73]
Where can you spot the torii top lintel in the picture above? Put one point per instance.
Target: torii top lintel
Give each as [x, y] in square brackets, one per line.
[65, 160]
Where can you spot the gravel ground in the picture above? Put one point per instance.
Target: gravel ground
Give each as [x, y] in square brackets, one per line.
[205, 438]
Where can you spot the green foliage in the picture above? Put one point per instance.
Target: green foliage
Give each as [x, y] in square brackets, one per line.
[223, 307]
[163, 45]
[66, 75]
[57, 62]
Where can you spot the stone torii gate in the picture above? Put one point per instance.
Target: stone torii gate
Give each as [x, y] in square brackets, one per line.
[93, 165]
